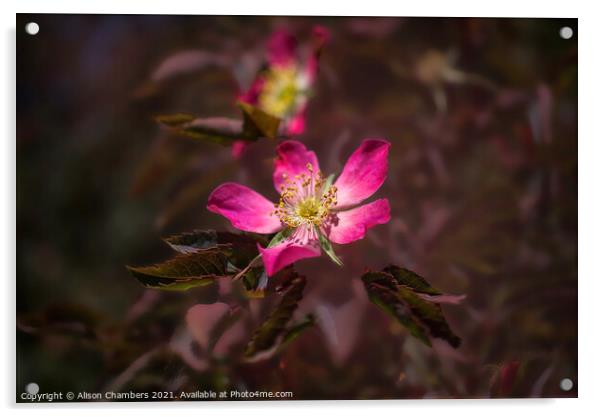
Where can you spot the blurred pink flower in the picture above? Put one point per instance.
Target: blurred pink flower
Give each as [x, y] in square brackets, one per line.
[311, 212]
[341, 324]
[283, 89]
[201, 321]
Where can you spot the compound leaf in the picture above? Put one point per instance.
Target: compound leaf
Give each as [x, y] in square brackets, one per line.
[274, 333]
[398, 292]
[185, 271]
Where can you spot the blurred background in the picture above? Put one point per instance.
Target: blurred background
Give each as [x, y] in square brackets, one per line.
[482, 116]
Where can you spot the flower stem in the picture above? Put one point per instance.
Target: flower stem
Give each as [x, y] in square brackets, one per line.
[244, 271]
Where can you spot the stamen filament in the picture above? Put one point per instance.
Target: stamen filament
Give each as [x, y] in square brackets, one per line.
[303, 202]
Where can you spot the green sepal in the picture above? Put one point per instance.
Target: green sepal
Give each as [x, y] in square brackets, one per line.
[327, 248]
[280, 236]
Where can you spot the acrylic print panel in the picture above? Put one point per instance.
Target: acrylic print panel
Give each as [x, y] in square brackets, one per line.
[295, 208]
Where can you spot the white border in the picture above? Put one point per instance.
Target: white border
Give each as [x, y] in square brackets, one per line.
[506, 8]
[590, 200]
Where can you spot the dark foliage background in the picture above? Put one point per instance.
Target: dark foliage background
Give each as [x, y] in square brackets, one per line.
[482, 116]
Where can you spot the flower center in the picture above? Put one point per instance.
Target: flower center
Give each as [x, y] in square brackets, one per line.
[281, 91]
[305, 200]
[309, 209]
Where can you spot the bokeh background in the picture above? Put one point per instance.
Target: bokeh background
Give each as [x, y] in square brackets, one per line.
[482, 115]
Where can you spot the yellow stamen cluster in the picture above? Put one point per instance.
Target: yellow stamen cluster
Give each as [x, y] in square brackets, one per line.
[304, 201]
[280, 91]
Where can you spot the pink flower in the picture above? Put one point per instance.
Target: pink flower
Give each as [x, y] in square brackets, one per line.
[284, 87]
[311, 212]
[341, 324]
[202, 320]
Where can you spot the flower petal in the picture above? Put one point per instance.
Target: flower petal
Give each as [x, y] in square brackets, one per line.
[202, 318]
[341, 327]
[364, 173]
[320, 36]
[282, 48]
[230, 337]
[292, 159]
[181, 344]
[285, 253]
[251, 96]
[246, 209]
[296, 125]
[351, 225]
[238, 148]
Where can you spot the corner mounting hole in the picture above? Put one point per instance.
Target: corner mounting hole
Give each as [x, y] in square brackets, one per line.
[32, 388]
[566, 32]
[32, 28]
[566, 384]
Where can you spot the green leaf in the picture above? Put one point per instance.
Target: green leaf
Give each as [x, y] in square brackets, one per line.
[411, 279]
[205, 255]
[270, 336]
[221, 130]
[280, 236]
[193, 241]
[243, 247]
[423, 318]
[381, 290]
[258, 123]
[255, 281]
[175, 120]
[431, 315]
[327, 248]
[295, 330]
[185, 271]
